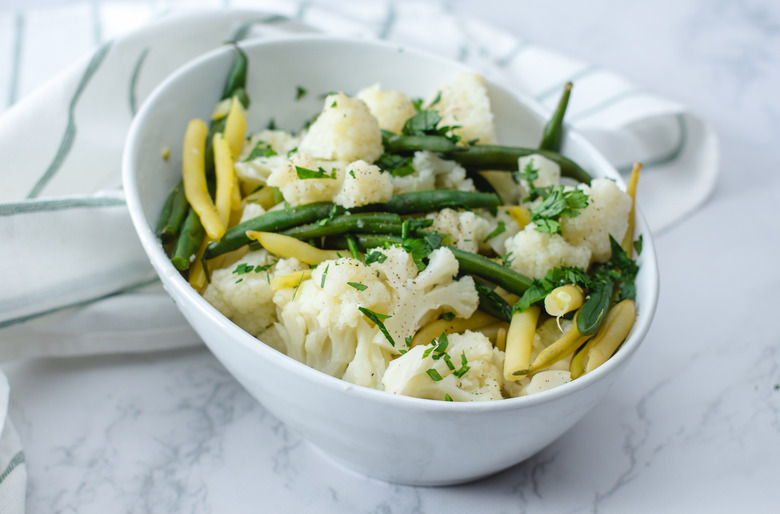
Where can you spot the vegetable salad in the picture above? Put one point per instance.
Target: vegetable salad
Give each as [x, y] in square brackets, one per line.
[393, 243]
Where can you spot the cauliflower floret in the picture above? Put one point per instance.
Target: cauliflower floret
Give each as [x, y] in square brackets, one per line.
[549, 172]
[298, 191]
[319, 320]
[432, 172]
[464, 102]
[408, 374]
[390, 108]
[345, 131]
[606, 215]
[497, 242]
[466, 228]
[242, 292]
[545, 380]
[251, 210]
[364, 184]
[534, 252]
[256, 172]
[419, 298]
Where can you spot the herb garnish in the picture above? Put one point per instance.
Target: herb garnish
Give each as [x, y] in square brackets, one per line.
[244, 268]
[299, 92]
[358, 286]
[375, 256]
[324, 275]
[377, 319]
[500, 229]
[306, 173]
[556, 201]
[261, 149]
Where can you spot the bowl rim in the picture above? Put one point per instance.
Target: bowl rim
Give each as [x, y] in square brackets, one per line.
[166, 270]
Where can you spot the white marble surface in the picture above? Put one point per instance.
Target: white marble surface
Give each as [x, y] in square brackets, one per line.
[692, 426]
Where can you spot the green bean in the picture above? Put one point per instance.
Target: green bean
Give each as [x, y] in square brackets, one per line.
[497, 157]
[404, 203]
[480, 266]
[592, 312]
[438, 144]
[172, 215]
[416, 202]
[189, 241]
[553, 130]
[491, 303]
[236, 78]
[370, 222]
[273, 221]
[469, 263]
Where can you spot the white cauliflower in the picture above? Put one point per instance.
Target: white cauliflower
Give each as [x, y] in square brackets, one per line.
[549, 172]
[498, 238]
[344, 131]
[418, 297]
[476, 375]
[547, 379]
[390, 108]
[464, 102]
[605, 215]
[532, 253]
[242, 292]
[297, 190]
[433, 172]
[319, 319]
[255, 172]
[467, 229]
[364, 184]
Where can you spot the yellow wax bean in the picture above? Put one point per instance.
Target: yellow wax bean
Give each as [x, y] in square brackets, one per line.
[563, 299]
[560, 349]
[519, 340]
[437, 327]
[501, 338]
[628, 239]
[197, 275]
[223, 167]
[290, 280]
[521, 215]
[194, 179]
[221, 109]
[286, 246]
[235, 127]
[611, 334]
[265, 196]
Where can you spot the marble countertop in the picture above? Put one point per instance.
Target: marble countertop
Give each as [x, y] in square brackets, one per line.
[692, 425]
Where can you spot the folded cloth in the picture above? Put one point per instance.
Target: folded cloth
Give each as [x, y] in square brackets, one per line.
[75, 279]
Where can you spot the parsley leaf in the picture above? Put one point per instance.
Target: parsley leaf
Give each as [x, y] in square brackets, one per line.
[434, 375]
[377, 319]
[396, 165]
[300, 92]
[556, 204]
[306, 173]
[420, 248]
[500, 229]
[261, 149]
[358, 286]
[375, 256]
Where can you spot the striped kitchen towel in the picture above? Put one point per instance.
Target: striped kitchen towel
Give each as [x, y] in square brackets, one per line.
[75, 279]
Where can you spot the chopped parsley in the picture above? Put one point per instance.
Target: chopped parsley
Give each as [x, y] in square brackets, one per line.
[358, 286]
[324, 276]
[306, 173]
[244, 268]
[375, 256]
[396, 165]
[447, 397]
[261, 149]
[421, 248]
[556, 201]
[300, 92]
[500, 229]
[464, 368]
[434, 375]
[377, 319]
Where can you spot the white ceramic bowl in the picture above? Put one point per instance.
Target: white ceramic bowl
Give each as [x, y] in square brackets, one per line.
[395, 438]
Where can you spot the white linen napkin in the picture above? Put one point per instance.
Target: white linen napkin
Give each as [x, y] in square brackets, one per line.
[75, 279]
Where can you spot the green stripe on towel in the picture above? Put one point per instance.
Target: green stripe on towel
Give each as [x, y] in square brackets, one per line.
[70, 130]
[15, 461]
[57, 204]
